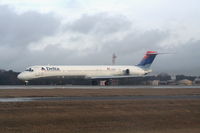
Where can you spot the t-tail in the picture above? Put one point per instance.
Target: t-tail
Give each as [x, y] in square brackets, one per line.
[148, 59]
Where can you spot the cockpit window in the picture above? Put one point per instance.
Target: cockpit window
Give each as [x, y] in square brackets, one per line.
[29, 70]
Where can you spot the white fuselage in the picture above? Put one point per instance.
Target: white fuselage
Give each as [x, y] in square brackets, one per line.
[35, 72]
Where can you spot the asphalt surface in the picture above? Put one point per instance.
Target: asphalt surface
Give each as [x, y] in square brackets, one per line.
[91, 87]
[95, 98]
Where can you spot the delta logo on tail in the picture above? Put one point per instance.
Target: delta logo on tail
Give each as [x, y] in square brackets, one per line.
[148, 59]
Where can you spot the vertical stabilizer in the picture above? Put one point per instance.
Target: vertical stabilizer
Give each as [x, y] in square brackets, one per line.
[148, 59]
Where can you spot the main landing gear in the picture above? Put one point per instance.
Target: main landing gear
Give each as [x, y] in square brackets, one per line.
[106, 82]
[26, 82]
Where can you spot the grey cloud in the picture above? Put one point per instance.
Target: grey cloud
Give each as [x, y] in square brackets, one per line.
[101, 23]
[20, 30]
[185, 60]
[126, 47]
[138, 41]
[17, 31]
[107, 25]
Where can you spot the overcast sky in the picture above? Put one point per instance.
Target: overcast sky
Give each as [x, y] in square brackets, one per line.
[88, 32]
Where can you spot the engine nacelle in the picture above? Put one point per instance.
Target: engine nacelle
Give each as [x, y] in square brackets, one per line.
[126, 72]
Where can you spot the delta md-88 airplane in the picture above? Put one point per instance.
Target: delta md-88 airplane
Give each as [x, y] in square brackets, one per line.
[94, 72]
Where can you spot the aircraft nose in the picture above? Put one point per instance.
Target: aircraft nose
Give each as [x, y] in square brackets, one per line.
[20, 76]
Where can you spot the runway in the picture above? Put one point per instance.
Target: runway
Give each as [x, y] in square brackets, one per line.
[97, 98]
[91, 87]
[96, 93]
